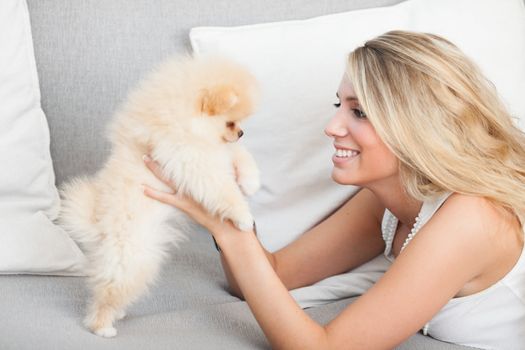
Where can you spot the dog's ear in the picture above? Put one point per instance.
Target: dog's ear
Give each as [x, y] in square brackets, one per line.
[217, 100]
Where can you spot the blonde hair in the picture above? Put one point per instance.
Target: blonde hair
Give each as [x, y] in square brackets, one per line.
[441, 117]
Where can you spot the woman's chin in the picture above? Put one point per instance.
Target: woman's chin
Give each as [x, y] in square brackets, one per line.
[342, 179]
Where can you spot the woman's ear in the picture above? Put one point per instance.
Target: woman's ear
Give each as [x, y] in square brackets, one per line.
[217, 100]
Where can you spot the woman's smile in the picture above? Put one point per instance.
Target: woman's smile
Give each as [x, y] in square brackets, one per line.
[344, 155]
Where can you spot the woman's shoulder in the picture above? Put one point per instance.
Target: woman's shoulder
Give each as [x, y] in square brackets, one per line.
[478, 212]
[494, 234]
[478, 219]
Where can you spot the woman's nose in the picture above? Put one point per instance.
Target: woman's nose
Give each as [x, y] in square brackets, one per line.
[336, 127]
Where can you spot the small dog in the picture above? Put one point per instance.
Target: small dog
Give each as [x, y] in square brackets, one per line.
[186, 115]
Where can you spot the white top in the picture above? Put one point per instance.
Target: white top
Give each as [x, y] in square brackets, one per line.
[493, 318]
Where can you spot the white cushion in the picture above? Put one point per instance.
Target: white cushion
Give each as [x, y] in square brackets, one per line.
[299, 65]
[29, 201]
[491, 32]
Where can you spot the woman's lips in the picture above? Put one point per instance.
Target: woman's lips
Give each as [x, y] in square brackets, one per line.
[343, 155]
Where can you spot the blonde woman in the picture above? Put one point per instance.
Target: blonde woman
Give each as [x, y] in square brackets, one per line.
[442, 171]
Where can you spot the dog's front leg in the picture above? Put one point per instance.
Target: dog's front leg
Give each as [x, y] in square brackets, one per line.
[209, 178]
[247, 172]
[233, 206]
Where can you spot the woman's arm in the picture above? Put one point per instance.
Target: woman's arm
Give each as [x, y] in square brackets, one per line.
[234, 287]
[348, 238]
[447, 252]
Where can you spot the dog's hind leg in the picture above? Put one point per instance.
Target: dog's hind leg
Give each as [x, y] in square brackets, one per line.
[122, 273]
[114, 292]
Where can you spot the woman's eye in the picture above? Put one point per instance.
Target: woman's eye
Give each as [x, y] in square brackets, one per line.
[359, 113]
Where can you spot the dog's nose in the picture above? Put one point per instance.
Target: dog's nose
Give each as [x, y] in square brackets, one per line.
[240, 133]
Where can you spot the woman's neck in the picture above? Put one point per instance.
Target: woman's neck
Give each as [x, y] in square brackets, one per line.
[394, 197]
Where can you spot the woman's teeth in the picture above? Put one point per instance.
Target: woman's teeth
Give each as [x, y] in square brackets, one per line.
[342, 153]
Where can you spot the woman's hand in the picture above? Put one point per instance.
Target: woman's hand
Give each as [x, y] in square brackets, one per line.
[182, 202]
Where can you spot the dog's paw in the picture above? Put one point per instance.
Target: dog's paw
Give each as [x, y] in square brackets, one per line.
[244, 224]
[107, 332]
[249, 185]
[100, 325]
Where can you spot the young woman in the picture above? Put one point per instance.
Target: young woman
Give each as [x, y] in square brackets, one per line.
[442, 171]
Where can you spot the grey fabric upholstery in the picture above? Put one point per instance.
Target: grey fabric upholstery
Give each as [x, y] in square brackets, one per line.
[89, 53]
[189, 308]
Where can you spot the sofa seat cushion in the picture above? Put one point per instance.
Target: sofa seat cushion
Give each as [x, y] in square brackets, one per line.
[189, 308]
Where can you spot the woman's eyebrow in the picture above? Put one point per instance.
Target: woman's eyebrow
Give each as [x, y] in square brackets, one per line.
[348, 98]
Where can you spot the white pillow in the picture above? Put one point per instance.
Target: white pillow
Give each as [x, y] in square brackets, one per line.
[29, 241]
[491, 32]
[299, 65]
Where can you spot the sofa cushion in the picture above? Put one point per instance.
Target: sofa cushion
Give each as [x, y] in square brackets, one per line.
[189, 308]
[29, 241]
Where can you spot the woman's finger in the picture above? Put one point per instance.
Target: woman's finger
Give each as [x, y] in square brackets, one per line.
[164, 197]
[155, 168]
[186, 204]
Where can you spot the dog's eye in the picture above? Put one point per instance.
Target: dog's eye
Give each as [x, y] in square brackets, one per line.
[230, 125]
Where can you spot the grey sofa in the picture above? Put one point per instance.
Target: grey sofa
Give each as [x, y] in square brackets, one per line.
[89, 53]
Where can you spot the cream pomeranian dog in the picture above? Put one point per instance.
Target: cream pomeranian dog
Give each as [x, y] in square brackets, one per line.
[186, 115]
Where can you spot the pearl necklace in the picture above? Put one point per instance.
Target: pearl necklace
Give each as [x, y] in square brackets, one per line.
[392, 225]
[413, 231]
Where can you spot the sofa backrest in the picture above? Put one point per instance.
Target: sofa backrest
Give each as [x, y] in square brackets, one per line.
[89, 54]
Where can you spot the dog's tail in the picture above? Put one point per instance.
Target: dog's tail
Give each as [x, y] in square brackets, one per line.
[77, 212]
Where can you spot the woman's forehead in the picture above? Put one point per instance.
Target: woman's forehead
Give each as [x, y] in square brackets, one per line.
[346, 90]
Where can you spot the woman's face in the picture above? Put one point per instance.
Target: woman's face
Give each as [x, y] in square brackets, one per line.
[360, 158]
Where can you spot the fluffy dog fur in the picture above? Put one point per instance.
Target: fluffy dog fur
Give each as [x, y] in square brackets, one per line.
[186, 115]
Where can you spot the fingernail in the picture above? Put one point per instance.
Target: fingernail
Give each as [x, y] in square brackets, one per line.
[146, 158]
